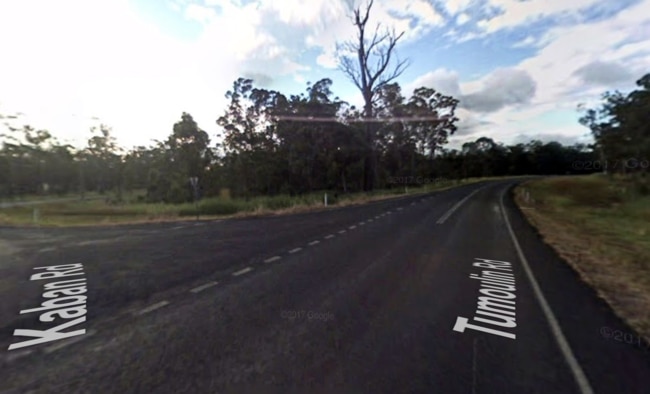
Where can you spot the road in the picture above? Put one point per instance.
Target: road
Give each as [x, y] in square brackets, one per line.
[365, 299]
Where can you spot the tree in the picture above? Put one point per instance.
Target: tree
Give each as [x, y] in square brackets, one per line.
[355, 59]
[185, 153]
[100, 161]
[621, 127]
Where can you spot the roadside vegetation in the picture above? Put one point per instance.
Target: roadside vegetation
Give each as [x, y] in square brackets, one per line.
[98, 212]
[600, 224]
[601, 227]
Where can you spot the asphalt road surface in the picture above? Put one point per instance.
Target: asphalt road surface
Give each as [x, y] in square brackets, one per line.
[449, 292]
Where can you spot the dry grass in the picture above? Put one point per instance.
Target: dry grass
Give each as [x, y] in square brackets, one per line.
[600, 229]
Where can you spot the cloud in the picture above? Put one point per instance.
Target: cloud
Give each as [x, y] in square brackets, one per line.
[462, 18]
[469, 123]
[565, 50]
[566, 140]
[501, 88]
[58, 64]
[527, 42]
[603, 73]
[512, 13]
[537, 96]
[453, 7]
[260, 79]
[333, 22]
[443, 80]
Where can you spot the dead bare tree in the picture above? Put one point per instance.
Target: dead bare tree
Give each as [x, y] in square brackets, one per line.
[365, 61]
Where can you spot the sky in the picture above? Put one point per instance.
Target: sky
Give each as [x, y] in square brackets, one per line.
[518, 67]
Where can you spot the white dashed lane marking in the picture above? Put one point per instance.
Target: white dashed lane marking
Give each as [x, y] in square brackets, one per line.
[342, 232]
[152, 307]
[177, 228]
[295, 250]
[329, 236]
[362, 223]
[369, 220]
[312, 243]
[13, 356]
[68, 342]
[272, 259]
[242, 271]
[203, 287]
[352, 227]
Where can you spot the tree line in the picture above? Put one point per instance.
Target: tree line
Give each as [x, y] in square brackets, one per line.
[273, 144]
[277, 144]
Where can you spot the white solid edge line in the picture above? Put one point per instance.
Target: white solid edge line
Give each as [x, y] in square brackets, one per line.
[203, 287]
[457, 205]
[313, 243]
[329, 236]
[242, 271]
[152, 307]
[272, 259]
[563, 344]
[295, 250]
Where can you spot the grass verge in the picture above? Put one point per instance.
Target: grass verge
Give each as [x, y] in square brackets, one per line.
[98, 212]
[600, 226]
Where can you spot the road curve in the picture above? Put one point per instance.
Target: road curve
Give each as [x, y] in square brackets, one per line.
[384, 298]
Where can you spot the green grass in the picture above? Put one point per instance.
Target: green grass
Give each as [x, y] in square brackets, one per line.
[601, 226]
[97, 211]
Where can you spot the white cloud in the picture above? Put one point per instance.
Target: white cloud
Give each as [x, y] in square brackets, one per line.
[199, 13]
[443, 80]
[455, 6]
[334, 24]
[572, 65]
[96, 58]
[63, 63]
[568, 49]
[92, 57]
[462, 18]
[515, 12]
[529, 41]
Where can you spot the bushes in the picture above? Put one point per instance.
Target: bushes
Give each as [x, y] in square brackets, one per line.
[276, 202]
[213, 207]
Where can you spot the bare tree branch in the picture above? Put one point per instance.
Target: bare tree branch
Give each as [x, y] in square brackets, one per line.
[369, 75]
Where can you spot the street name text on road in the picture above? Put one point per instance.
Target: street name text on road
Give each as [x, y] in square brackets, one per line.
[497, 300]
[64, 302]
